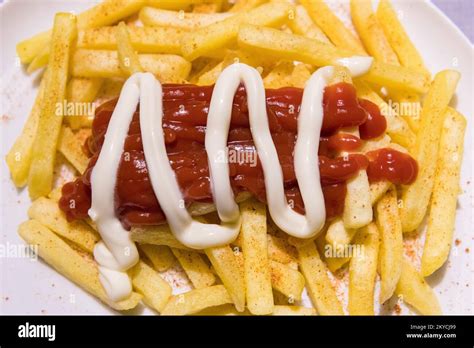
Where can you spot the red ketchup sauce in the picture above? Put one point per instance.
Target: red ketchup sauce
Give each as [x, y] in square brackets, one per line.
[184, 122]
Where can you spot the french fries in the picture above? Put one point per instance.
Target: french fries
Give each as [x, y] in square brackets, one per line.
[332, 26]
[143, 39]
[82, 92]
[441, 221]
[105, 64]
[20, 155]
[282, 45]
[416, 196]
[407, 54]
[226, 264]
[129, 61]
[414, 290]
[40, 178]
[196, 300]
[195, 267]
[105, 13]
[391, 243]
[362, 272]
[160, 256]
[286, 280]
[187, 21]
[371, 32]
[256, 264]
[68, 262]
[320, 289]
[70, 146]
[223, 33]
[264, 271]
[47, 212]
[147, 282]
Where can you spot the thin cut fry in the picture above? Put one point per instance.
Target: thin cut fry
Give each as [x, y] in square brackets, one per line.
[302, 24]
[441, 221]
[147, 282]
[414, 290]
[68, 262]
[363, 271]
[19, 157]
[195, 268]
[416, 196]
[391, 243]
[256, 264]
[320, 289]
[286, 280]
[82, 92]
[105, 64]
[71, 147]
[40, 178]
[129, 61]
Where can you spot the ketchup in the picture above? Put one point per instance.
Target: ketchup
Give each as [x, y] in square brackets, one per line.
[185, 109]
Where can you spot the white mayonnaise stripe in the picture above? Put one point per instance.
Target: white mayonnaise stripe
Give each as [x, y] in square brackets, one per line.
[117, 253]
[189, 232]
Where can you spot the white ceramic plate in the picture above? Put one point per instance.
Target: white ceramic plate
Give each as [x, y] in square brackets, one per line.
[32, 287]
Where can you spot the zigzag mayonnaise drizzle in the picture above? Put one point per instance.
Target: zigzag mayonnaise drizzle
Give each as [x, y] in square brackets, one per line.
[116, 253]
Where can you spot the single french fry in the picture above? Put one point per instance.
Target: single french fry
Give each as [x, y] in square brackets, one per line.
[47, 212]
[278, 44]
[332, 26]
[293, 310]
[223, 33]
[142, 39]
[320, 290]
[40, 178]
[20, 155]
[300, 75]
[70, 263]
[160, 256]
[357, 206]
[397, 127]
[256, 264]
[225, 263]
[416, 196]
[71, 148]
[302, 24]
[81, 92]
[442, 216]
[391, 243]
[196, 300]
[377, 190]
[105, 64]
[105, 13]
[129, 61]
[371, 32]
[195, 268]
[407, 53]
[39, 61]
[171, 19]
[414, 290]
[147, 282]
[363, 271]
[286, 280]
[409, 107]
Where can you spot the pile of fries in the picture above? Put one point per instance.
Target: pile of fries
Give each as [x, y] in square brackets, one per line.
[86, 59]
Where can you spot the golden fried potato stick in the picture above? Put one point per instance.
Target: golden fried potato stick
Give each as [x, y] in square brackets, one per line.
[40, 178]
